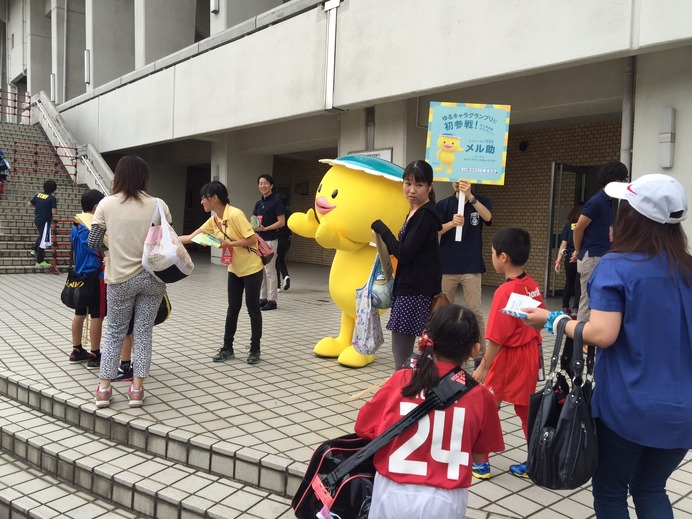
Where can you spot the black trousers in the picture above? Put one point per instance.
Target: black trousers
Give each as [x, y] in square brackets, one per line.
[251, 286]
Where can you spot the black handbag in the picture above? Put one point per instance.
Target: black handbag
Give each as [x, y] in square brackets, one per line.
[339, 477]
[164, 310]
[563, 448]
[78, 290]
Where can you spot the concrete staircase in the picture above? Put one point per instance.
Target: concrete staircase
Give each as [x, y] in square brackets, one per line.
[87, 475]
[17, 230]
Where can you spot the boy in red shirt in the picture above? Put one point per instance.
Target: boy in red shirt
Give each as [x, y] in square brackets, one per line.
[509, 368]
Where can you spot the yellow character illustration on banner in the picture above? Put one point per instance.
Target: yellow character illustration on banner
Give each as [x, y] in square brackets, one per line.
[448, 145]
[353, 193]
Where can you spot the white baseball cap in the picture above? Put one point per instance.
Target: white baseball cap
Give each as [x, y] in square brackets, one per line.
[655, 196]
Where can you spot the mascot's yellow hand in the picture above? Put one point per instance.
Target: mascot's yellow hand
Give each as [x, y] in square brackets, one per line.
[328, 236]
[304, 224]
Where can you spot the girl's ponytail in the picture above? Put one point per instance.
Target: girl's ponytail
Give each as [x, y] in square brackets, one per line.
[425, 372]
[452, 332]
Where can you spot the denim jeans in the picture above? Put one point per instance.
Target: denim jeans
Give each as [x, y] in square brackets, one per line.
[644, 471]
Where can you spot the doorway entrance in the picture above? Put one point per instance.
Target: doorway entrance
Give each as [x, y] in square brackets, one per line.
[569, 185]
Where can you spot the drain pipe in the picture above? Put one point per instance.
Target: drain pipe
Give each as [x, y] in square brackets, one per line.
[627, 130]
[330, 7]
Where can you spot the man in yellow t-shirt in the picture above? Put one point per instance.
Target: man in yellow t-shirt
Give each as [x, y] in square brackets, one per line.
[244, 271]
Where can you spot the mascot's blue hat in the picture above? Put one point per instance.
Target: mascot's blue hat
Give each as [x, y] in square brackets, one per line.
[370, 165]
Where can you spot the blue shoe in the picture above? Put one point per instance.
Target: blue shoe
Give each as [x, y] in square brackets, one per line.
[481, 470]
[519, 470]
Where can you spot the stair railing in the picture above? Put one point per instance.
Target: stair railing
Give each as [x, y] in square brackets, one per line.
[91, 169]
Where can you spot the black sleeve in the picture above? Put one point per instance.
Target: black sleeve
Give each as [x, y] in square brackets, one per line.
[418, 233]
[387, 237]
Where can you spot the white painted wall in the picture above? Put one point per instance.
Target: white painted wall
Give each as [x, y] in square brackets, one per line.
[664, 79]
[434, 44]
[253, 80]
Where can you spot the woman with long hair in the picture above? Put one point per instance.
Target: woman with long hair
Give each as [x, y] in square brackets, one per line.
[126, 215]
[641, 323]
[418, 276]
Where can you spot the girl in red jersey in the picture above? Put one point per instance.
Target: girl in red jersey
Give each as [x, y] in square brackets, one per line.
[426, 471]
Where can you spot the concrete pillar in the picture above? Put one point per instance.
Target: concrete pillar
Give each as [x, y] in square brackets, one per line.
[233, 12]
[68, 41]
[162, 27]
[38, 47]
[110, 40]
[238, 171]
[242, 170]
[392, 130]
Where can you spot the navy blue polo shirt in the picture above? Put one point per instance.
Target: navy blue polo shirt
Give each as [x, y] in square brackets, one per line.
[269, 208]
[466, 256]
[596, 240]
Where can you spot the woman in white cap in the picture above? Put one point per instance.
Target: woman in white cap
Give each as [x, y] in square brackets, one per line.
[641, 320]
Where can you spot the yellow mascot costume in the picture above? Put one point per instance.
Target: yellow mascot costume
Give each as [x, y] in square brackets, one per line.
[356, 191]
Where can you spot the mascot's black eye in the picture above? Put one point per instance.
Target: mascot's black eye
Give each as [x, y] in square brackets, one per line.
[335, 193]
[319, 188]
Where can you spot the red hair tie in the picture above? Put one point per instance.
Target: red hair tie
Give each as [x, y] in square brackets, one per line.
[425, 342]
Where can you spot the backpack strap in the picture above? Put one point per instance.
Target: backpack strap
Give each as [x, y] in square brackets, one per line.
[449, 389]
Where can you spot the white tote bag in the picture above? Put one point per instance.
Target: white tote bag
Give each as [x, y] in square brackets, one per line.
[164, 256]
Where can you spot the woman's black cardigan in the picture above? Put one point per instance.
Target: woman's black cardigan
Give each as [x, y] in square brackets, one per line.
[418, 271]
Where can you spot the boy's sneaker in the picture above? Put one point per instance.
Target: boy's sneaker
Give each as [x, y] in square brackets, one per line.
[287, 283]
[223, 354]
[519, 470]
[95, 360]
[125, 373]
[103, 396]
[80, 355]
[43, 265]
[481, 470]
[575, 311]
[254, 356]
[135, 396]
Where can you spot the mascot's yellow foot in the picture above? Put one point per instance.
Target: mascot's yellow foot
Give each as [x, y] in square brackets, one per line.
[352, 359]
[329, 347]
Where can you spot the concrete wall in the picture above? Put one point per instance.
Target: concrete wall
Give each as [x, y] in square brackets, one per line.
[664, 79]
[279, 72]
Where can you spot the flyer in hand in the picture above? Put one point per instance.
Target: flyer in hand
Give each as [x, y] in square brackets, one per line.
[207, 240]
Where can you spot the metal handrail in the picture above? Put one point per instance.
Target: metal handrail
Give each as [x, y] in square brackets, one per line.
[60, 131]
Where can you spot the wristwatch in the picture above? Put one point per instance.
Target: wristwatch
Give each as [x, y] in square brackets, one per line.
[473, 200]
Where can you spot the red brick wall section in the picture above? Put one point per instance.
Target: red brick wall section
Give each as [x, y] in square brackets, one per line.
[524, 199]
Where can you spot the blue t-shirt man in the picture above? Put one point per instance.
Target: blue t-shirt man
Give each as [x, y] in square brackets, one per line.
[596, 240]
[592, 232]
